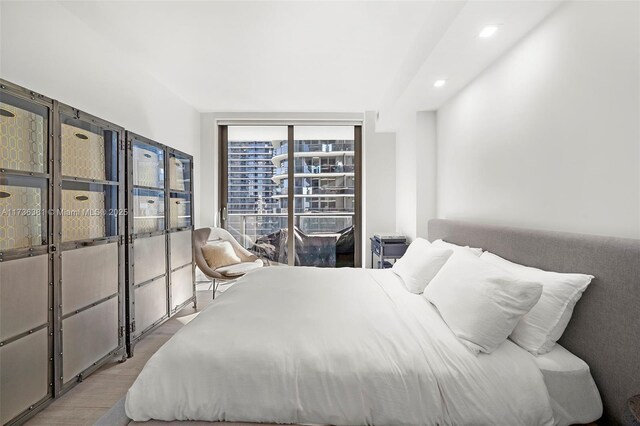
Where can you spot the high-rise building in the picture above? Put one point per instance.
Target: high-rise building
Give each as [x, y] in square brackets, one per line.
[324, 182]
[250, 188]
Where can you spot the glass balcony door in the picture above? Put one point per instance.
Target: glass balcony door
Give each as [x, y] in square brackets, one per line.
[264, 201]
[324, 194]
[254, 210]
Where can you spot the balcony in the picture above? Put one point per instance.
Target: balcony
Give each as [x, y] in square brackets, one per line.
[314, 171]
[321, 239]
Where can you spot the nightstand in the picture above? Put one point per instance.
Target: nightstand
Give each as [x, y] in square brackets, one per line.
[386, 250]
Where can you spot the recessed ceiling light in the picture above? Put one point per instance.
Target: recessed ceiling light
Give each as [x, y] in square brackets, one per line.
[488, 31]
[439, 83]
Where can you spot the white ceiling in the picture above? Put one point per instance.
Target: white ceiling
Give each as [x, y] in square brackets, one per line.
[309, 55]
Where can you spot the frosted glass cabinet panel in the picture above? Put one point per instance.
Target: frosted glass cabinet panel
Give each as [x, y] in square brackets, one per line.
[148, 210]
[179, 210]
[179, 173]
[89, 151]
[88, 211]
[148, 165]
[23, 135]
[23, 212]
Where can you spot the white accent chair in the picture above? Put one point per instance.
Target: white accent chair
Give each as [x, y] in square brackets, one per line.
[226, 274]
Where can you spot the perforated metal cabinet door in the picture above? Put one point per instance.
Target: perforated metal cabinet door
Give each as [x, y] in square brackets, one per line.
[149, 258]
[24, 286]
[181, 250]
[88, 336]
[88, 275]
[151, 304]
[24, 374]
[181, 286]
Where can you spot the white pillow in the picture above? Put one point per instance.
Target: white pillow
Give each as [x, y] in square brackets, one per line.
[539, 330]
[420, 263]
[219, 254]
[456, 248]
[480, 303]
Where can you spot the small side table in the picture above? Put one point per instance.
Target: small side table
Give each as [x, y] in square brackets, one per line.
[386, 251]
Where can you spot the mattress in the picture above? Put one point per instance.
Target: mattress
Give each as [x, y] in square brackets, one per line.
[82, 153]
[573, 393]
[22, 136]
[333, 346]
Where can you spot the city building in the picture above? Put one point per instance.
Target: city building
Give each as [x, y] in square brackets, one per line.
[251, 189]
[324, 186]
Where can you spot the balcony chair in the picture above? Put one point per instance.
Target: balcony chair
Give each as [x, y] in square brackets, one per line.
[227, 274]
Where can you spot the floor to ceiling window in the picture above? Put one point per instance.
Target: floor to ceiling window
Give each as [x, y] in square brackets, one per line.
[308, 214]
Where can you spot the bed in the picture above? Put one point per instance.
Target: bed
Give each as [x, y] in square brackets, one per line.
[332, 346]
[351, 346]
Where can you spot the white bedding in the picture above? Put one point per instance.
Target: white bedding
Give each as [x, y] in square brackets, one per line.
[573, 393]
[336, 346]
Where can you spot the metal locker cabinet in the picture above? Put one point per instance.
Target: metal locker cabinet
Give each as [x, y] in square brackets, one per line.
[90, 194]
[180, 255]
[26, 253]
[147, 278]
[157, 177]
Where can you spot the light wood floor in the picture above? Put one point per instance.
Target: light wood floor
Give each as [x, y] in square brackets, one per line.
[89, 400]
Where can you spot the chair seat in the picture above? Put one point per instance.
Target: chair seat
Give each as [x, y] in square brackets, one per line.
[239, 269]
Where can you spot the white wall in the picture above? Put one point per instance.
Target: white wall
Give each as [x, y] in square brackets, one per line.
[379, 183]
[426, 170]
[47, 49]
[406, 163]
[549, 136]
[416, 171]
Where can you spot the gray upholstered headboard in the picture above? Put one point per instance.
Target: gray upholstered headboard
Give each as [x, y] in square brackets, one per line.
[605, 327]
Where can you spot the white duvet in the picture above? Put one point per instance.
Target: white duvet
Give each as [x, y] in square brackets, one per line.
[333, 346]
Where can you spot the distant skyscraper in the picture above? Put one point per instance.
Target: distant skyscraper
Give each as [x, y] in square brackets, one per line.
[250, 186]
[324, 183]
[250, 172]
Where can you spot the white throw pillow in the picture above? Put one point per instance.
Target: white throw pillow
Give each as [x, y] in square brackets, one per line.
[456, 248]
[480, 303]
[420, 263]
[219, 254]
[539, 330]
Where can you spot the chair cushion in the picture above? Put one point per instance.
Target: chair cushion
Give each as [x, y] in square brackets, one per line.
[239, 269]
[219, 254]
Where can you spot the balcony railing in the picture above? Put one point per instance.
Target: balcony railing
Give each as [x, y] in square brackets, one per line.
[325, 168]
[246, 228]
[317, 146]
